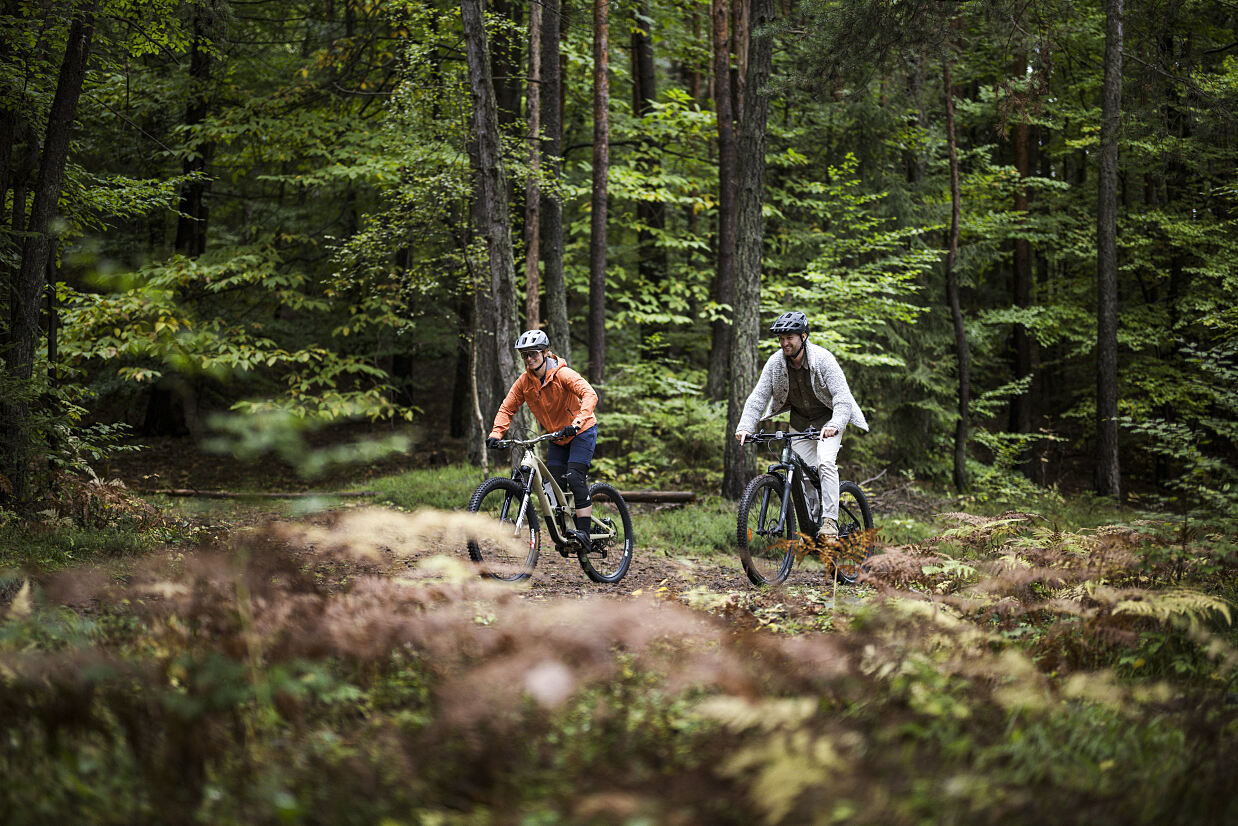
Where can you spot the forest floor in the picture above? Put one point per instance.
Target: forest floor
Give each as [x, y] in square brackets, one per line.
[659, 572]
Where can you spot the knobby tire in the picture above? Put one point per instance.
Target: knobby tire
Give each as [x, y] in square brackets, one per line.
[766, 559]
[497, 561]
[613, 566]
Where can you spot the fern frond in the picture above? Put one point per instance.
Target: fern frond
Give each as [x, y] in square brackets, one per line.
[1194, 606]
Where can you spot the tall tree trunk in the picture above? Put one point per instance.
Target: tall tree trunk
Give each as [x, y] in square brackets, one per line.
[191, 226]
[952, 293]
[738, 463]
[723, 288]
[532, 193]
[552, 203]
[491, 204]
[1108, 476]
[1023, 144]
[8, 135]
[601, 168]
[651, 215]
[27, 289]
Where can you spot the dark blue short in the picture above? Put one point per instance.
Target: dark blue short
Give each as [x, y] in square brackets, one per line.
[579, 450]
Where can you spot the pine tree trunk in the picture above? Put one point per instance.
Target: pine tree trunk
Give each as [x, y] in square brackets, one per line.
[532, 198]
[952, 294]
[601, 167]
[723, 288]
[1108, 476]
[27, 289]
[552, 205]
[738, 465]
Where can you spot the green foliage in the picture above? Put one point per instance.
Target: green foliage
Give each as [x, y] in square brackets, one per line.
[658, 430]
[705, 527]
[1197, 436]
[55, 543]
[444, 488]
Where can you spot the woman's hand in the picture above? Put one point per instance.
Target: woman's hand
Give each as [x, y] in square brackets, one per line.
[827, 432]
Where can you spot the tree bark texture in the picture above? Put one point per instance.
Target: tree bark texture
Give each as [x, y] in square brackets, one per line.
[26, 292]
[492, 205]
[962, 356]
[552, 201]
[723, 291]
[1108, 475]
[601, 168]
[532, 193]
[738, 465]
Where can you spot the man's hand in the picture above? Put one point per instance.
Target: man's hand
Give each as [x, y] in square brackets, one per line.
[570, 430]
[827, 432]
[741, 436]
[493, 443]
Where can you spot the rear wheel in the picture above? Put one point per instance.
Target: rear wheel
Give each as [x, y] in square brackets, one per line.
[855, 532]
[511, 555]
[608, 559]
[767, 556]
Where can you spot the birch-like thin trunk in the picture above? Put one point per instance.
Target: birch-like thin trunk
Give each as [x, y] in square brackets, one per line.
[962, 356]
[1108, 474]
[532, 192]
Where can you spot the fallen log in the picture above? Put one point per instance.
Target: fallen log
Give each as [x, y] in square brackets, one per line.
[658, 495]
[255, 494]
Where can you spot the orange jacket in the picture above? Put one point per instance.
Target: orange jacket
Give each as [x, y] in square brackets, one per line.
[563, 397]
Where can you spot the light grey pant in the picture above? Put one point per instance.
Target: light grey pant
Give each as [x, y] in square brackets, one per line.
[823, 455]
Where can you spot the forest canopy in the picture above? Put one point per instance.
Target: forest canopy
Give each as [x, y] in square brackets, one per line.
[307, 213]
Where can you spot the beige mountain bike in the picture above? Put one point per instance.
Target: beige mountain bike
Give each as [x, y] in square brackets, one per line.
[531, 497]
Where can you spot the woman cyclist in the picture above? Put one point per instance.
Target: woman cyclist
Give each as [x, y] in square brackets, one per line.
[560, 399]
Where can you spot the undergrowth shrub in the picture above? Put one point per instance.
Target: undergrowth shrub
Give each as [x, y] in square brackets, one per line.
[338, 672]
[659, 430]
[444, 488]
[706, 526]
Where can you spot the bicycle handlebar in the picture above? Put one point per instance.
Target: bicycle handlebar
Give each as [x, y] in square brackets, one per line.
[780, 435]
[504, 443]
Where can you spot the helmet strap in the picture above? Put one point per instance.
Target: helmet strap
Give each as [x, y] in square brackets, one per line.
[803, 344]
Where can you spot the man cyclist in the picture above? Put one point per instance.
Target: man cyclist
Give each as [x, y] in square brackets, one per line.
[560, 399]
[806, 379]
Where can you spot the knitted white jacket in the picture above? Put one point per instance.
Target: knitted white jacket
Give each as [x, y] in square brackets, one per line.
[769, 397]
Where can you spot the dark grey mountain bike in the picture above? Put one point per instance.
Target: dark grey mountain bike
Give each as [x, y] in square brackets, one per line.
[773, 504]
[532, 492]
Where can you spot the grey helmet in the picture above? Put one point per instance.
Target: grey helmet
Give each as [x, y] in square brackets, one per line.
[790, 324]
[533, 340]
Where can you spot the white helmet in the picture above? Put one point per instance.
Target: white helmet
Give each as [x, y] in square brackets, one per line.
[533, 340]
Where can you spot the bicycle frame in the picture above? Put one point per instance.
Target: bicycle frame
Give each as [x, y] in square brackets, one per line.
[792, 493]
[533, 474]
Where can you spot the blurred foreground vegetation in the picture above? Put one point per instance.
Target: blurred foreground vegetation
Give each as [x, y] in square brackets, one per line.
[349, 668]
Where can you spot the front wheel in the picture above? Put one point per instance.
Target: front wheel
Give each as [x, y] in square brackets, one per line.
[511, 555]
[766, 553]
[608, 558]
[855, 532]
